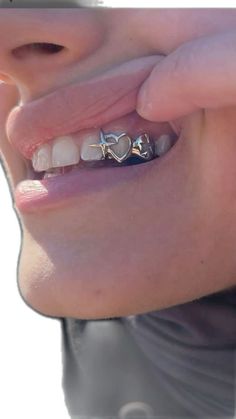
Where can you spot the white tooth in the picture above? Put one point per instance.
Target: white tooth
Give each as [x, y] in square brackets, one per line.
[42, 159]
[87, 152]
[163, 144]
[64, 152]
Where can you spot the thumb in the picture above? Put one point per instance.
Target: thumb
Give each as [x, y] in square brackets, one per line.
[198, 74]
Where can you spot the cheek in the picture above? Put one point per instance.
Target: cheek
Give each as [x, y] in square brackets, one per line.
[217, 168]
[164, 239]
[15, 168]
[121, 244]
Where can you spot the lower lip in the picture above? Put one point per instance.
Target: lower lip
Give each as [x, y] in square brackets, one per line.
[49, 193]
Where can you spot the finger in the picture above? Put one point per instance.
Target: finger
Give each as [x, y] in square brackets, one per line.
[198, 74]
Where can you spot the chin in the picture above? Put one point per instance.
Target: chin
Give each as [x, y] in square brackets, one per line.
[93, 277]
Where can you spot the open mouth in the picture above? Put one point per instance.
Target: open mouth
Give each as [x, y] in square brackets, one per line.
[95, 160]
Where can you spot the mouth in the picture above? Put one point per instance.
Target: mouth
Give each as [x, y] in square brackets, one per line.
[79, 106]
[125, 142]
[86, 136]
[67, 168]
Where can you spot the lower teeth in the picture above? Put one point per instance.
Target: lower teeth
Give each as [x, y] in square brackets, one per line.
[57, 171]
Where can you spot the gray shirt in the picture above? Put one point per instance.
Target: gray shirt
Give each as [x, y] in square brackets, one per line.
[178, 362]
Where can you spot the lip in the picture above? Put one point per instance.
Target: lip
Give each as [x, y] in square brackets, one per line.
[82, 105]
[38, 195]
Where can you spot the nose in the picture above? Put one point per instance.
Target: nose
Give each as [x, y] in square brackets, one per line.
[41, 48]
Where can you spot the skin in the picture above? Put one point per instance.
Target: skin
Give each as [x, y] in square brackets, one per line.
[150, 243]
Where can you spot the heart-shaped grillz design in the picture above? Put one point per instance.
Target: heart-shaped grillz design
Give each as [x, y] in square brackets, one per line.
[121, 149]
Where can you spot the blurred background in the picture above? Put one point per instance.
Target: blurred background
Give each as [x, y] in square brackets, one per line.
[30, 346]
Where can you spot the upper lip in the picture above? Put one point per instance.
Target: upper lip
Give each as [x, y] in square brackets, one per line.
[78, 106]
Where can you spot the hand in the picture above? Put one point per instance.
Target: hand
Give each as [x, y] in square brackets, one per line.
[199, 74]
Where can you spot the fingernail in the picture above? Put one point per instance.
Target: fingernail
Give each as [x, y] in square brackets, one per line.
[144, 105]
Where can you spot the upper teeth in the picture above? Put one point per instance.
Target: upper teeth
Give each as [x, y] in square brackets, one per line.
[64, 151]
[88, 153]
[163, 144]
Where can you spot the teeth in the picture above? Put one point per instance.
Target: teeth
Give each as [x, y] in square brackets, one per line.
[64, 152]
[87, 152]
[163, 144]
[42, 159]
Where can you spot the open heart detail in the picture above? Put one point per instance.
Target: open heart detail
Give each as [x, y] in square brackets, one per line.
[122, 147]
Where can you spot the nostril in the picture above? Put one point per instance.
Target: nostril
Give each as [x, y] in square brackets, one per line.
[47, 48]
[36, 48]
